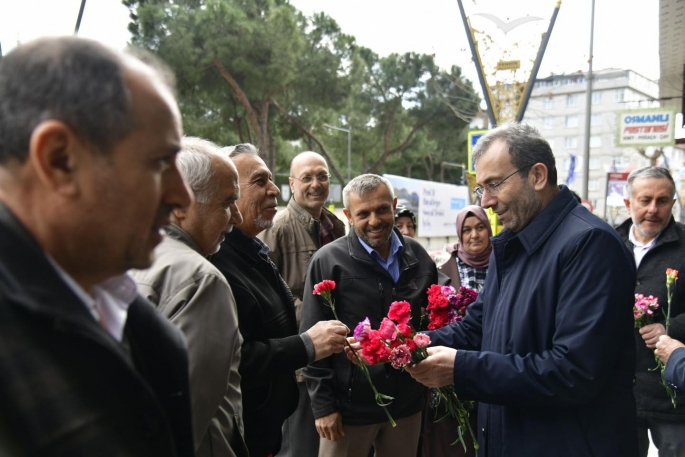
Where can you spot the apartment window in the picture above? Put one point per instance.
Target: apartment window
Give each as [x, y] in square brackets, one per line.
[572, 100]
[595, 141]
[570, 142]
[595, 120]
[549, 103]
[593, 184]
[571, 121]
[594, 163]
[620, 95]
[548, 122]
[596, 98]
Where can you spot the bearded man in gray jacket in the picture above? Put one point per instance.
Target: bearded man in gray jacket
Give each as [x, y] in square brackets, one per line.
[195, 296]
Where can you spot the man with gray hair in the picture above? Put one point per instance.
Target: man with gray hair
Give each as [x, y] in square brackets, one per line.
[373, 266]
[657, 242]
[88, 141]
[272, 349]
[190, 292]
[298, 232]
[547, 347]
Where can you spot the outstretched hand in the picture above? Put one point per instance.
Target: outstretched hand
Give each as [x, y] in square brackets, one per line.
[354, 344]
[328, 338]
[437, 370]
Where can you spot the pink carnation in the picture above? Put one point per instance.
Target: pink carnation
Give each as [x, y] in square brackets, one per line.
[422, 340]
[400, 356]
[388, 329]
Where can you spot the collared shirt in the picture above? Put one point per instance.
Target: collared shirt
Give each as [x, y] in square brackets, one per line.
[108, 301]
[392, 265]
[326, 229]
[639, 249]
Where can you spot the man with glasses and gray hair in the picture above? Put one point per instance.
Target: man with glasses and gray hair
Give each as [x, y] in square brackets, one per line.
[657, 242]
[547, 348]
[297, 233]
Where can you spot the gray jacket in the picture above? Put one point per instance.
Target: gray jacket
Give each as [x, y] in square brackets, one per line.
[194, 295]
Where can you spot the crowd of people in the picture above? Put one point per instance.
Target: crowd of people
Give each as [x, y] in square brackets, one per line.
[153, 302]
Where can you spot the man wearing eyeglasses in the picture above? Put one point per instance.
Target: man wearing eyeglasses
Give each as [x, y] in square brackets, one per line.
[547, 349]
[296, 235]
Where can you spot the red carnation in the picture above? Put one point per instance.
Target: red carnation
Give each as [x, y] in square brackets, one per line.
[400, 312]
[326, 285]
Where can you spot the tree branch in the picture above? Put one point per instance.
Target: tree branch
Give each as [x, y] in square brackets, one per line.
[251, 115]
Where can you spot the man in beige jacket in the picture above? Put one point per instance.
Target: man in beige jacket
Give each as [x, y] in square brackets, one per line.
[195, 296]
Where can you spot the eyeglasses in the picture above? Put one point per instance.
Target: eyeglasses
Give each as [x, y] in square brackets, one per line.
[493, 189]
[324, 177]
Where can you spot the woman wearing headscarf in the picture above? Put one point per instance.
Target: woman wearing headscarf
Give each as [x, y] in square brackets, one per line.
[470, 256]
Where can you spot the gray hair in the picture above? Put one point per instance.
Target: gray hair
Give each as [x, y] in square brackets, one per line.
[362, 185]
[526, 147]
[242, 148]
[645, 173]
[195, 165]
[76, 81]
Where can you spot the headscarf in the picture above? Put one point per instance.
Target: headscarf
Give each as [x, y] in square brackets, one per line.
[479, 260]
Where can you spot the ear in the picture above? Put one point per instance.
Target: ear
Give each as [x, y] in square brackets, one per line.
[55, 152]
[348, 215]
[626, 201]
[180, 213]
[291, 182]
[394, 205]
[539, 175]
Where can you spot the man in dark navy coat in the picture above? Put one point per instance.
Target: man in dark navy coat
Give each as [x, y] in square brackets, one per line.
[88, 140]
[547, 348]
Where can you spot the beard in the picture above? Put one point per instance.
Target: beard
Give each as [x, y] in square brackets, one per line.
[263, 223]
[377, 242]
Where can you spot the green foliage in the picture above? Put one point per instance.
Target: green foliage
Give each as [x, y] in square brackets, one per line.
[259, 71]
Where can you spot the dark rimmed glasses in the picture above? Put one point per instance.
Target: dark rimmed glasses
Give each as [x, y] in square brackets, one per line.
[493, 189]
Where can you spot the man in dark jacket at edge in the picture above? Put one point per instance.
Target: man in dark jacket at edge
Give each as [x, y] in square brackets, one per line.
[373, 266]
[547, 348]
[657, 242]
[272, 349]
[88, 142]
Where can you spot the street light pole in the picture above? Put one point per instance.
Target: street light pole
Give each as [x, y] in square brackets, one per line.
[349, 148]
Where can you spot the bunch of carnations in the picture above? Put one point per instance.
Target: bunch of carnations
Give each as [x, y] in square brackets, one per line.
[447, 306]
[324, 289]
[643, 310]
[397, 343]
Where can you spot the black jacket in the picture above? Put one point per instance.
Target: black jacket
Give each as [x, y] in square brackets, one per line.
[668, 252]
[272, 349]
[67, 388]
[363, 288]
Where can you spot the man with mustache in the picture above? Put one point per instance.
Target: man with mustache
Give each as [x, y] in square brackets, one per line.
[298, 232]
[88, 177]
[547, 348]
[373, 266]
[657, 242]
[194, 295]
[272, 349]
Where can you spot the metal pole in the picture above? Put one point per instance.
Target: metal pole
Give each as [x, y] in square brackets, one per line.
[536, 66]
[588, 113]
[349, 154]
[80, 16]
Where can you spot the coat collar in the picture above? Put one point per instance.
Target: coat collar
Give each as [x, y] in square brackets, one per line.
[177, 233]
[28, 281]
[668, 235]
[536, 233]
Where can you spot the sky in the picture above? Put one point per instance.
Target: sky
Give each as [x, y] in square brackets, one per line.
[626, 31]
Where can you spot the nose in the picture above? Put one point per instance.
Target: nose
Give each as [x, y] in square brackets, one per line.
[272, 189]
[236, 215]
[487, 200]
[374, 220]
[176, 193]
[653, 208]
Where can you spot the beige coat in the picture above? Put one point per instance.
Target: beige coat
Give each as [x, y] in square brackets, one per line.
[195, 296]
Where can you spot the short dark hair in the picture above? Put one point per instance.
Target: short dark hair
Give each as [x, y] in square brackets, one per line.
[73, 80]
[526, 147]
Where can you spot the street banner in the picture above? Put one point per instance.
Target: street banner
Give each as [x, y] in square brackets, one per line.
[645, 127]
[616, 184]
[435, 204]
